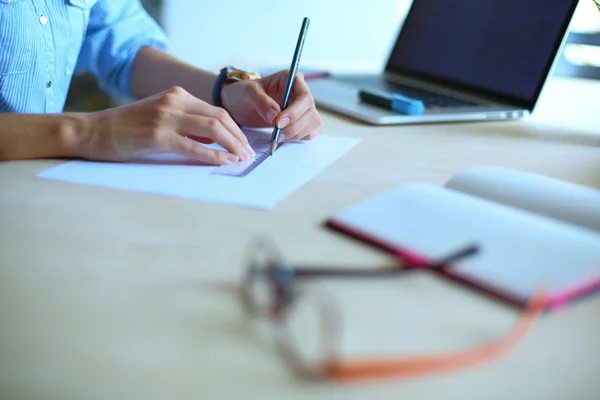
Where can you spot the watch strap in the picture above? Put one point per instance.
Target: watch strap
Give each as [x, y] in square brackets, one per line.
[218, 86]
[226, 75]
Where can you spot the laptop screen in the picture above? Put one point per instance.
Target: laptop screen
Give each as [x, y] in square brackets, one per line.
[504, 48]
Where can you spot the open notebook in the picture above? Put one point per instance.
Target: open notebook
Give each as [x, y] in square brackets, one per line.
[533, 231]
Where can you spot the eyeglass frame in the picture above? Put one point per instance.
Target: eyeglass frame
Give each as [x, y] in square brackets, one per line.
[283, 278]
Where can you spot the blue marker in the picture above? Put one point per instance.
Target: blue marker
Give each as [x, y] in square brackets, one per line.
[393, 101]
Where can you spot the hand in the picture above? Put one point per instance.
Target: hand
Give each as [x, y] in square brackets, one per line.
[255, 104]
[170, 121]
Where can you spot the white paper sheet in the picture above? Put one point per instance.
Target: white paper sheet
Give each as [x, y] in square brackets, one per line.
[292, 165]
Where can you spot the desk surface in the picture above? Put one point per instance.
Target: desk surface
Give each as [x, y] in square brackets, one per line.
[111, 294]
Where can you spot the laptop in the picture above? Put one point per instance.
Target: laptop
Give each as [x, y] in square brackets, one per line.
[464, 59]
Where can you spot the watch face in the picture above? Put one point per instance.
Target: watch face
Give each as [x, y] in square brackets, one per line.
[238, 74]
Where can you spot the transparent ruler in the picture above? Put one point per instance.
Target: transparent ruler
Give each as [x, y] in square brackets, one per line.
[243, 168]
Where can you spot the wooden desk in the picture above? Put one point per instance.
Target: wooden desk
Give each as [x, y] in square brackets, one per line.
[110, 294]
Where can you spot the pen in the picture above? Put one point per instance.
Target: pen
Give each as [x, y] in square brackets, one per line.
[290, 80]
[393, 101]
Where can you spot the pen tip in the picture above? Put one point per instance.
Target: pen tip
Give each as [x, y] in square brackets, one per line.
[273, 147]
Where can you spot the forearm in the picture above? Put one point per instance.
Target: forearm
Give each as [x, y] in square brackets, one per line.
[29, 136]
[155, 71]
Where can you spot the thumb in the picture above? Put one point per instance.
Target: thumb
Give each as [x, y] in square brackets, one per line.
[265, 106]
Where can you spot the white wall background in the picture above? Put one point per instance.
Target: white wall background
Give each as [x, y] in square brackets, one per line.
[344, 35]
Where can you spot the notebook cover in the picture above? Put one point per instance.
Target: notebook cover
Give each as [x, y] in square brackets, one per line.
[556, 301]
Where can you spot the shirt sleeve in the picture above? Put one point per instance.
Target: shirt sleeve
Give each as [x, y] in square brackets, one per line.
[117, 30]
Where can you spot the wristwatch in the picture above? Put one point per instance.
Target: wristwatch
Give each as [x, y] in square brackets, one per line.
[227, 75]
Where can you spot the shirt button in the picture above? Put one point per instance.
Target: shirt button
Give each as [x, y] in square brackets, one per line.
[48, 84]
[43, 20]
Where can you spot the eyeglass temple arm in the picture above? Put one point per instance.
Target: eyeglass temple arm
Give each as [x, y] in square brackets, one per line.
[306, 272]
[365, 369]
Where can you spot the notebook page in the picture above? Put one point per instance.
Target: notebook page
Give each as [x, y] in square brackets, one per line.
[519, 250]
[566, 201]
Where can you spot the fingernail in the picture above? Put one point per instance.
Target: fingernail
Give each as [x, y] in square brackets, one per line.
[282, 137]
[231, 158]
[283, 123]
[271, 114]
[250, 150]
[246, 154]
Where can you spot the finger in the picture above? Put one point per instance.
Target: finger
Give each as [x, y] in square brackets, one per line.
[193, 105]
[264, 105]
[292, 130]
[208, 128]
[308, 134]
[282, 84]
[223, 116]
[190, 148]
[307, 127]
[275, 86]
[301, 102]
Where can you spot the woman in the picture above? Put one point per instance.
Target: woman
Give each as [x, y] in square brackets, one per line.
[178, 106]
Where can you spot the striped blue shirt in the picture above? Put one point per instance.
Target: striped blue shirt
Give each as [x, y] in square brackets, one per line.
[44, 42]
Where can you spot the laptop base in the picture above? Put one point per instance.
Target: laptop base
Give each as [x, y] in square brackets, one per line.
[340, 95]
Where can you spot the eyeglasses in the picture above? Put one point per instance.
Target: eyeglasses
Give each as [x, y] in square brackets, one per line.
[273, 289]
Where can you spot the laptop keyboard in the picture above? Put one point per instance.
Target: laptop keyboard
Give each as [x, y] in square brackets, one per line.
[430, 99]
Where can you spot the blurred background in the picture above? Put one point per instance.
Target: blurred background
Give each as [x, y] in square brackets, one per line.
[344, 36]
